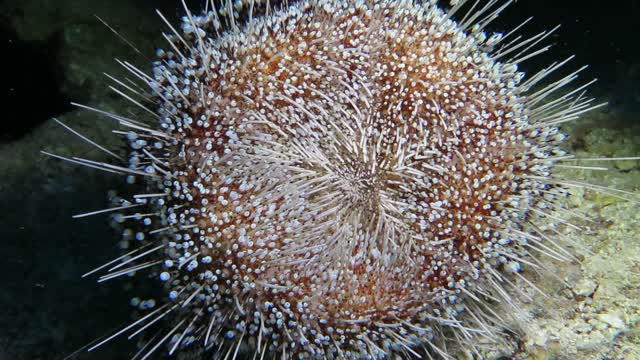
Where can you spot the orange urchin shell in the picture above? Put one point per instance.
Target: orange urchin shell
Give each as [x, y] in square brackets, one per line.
[341, 179]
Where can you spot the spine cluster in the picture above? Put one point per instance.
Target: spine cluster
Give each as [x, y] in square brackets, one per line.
[340, 179]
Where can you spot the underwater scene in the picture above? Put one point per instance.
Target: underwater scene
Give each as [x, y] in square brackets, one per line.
[320, 179]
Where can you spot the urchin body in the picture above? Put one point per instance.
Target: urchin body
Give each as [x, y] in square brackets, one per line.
[340, 180]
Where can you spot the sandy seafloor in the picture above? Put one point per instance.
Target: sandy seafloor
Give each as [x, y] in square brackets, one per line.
[47, 310]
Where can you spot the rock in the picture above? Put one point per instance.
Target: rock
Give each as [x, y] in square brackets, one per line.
[583, 327]
[613, 320]
[585, 287]
[592, 342]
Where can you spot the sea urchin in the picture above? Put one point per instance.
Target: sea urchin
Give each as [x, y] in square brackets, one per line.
[339, 179]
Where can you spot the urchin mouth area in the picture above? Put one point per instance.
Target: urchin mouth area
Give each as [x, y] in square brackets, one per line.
[360, 187]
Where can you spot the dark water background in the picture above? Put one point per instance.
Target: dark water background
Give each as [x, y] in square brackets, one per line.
[54, 52]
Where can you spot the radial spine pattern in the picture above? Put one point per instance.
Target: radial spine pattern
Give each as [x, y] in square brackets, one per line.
[342, 179]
